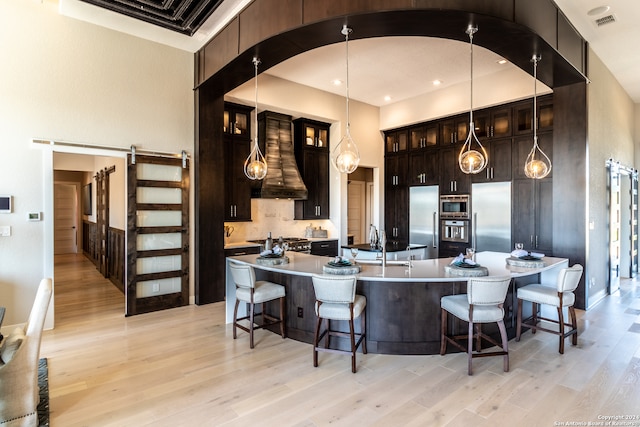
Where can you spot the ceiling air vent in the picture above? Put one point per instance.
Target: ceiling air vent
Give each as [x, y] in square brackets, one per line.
[605, 20]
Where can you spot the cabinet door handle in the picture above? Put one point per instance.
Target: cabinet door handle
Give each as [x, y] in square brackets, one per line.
[531, 239]
[491, 173]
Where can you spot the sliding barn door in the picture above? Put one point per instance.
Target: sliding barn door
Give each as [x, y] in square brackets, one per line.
[158, 234]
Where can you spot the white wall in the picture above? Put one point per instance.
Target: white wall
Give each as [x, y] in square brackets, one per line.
[612, 122]
[68, 80]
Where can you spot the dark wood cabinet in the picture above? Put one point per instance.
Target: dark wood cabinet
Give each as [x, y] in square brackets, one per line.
[397, 216]
[324, 248]
[523, 115]
[423, 136]
[424, 167]
[532, 214]
[311, 146]
[431, 158]
[452, 179]
[492, 123]
[237, 146]
[243, 250]
[396, 199]
[451, 249]
[397, 141]
[499, 167]
[454, 130]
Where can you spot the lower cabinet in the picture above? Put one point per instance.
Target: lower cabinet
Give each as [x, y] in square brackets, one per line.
[451, 249]
[324, 248]
[244, 250]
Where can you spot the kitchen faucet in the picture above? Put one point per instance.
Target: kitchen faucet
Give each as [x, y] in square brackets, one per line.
[383, 243]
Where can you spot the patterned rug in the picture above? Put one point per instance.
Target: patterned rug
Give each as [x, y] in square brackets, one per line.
[43, 384]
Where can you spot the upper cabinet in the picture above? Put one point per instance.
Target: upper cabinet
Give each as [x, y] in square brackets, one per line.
[237, 145]
[396, 141]
[424, 136]
[523, 115]
[454, 130]
[493, 123]
[311, 145]
[237, 120]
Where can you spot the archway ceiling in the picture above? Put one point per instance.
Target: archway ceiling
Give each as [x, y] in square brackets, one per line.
[400, 67]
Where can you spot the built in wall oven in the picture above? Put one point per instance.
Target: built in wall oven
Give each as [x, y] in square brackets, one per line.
[455, 206]
[454, 230]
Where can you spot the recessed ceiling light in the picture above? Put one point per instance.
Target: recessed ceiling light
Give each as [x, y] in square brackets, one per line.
[387, 98]
[598, 10]
[437, 82]
[337, 82]
[502, 61]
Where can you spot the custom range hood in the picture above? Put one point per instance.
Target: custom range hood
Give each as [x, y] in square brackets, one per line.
[283, 180]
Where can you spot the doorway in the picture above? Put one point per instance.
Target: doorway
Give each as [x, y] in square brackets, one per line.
[76, 241]
[359, 204]
[65, 235]
[623, 224]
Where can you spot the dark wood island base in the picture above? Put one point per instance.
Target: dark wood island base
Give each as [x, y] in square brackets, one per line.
[403, 310]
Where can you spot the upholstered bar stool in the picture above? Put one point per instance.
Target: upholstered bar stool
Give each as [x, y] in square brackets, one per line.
[559, 296]
[336, 299]
[483, 303]
[255, 292]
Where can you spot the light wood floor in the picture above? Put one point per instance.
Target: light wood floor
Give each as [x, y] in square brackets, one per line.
[183, 368]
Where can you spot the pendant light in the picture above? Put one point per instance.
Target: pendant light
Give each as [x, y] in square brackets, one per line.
[255, 167]
[538, 164]
[345, 156]
[473, 157]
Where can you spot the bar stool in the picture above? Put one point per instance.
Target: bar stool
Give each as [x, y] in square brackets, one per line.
[483, 303]
[255, 292]
[559, 296]
[336, 299]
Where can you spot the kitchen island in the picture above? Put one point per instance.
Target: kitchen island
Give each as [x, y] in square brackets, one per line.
[403, 302]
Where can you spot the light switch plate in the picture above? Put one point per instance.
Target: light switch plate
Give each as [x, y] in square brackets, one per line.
[5, 230]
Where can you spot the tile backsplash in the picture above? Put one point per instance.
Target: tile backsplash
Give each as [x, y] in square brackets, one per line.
[275, 216]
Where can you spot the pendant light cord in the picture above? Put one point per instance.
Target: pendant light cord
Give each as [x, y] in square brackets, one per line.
[471, 30]
[346, 30]
[535, 92]
[256, 62]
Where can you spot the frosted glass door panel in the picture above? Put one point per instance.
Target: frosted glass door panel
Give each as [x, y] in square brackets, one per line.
[153, 172]
[159, 218]
[159, 195]
[158, 264]
[153, 288]
[148, 242]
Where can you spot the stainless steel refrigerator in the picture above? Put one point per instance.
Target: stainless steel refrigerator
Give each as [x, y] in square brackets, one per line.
[491, 216]
[423, 218]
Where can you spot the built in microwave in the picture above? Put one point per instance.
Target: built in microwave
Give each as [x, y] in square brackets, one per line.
[454, 206]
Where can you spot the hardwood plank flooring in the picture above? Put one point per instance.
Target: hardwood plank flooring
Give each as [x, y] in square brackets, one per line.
[182, 367]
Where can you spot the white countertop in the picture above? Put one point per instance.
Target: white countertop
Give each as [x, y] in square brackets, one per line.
[431, 270]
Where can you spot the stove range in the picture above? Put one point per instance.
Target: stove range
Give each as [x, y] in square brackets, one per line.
[294, 244]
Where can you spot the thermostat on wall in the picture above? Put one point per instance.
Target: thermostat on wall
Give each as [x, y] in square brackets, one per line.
[34, 216]
[5, 204]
